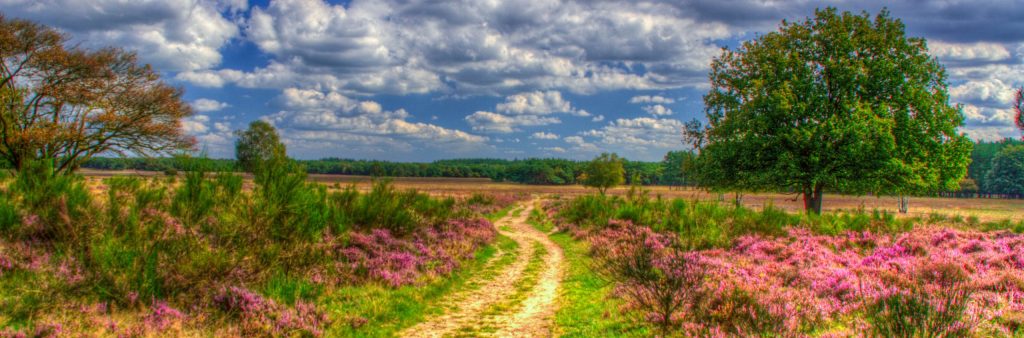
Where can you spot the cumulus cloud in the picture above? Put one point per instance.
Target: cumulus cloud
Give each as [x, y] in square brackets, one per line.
[474, 47]
[538, 103]
[642, 137]
[598, 118]
[314, 122]
[651, 99]
[208, 105]
[172, 35]
[969, 52]
[540, 135]
[658, 110]
[498, 123]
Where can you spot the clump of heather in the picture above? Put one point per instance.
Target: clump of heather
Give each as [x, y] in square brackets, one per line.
[260, 316]
[653, 272]
[396, 261]
[927, 281]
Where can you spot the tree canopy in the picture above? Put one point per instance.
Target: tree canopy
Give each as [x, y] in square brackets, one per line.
[840, 101]
[604, 172]
[258, 145]
[67, 105]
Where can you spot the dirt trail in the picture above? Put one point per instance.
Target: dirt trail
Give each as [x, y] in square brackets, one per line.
[504, 305]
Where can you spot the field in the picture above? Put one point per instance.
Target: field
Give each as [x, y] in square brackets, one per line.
[325, 255]
[985, 209]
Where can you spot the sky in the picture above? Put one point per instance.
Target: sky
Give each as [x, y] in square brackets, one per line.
[421, 80]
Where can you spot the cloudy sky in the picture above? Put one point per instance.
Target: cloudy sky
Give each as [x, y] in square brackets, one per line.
[412, 80]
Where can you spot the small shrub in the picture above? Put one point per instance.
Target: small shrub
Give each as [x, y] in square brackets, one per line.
[933, 306]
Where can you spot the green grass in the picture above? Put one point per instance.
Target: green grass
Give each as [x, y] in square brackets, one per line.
[23, 294]
[494, 217]
[387, 310]
[585, 307]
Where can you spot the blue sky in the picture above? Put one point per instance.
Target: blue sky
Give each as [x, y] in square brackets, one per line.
[416, 80]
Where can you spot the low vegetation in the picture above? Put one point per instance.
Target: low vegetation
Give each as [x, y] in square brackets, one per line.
[201, 253]
[703, 268]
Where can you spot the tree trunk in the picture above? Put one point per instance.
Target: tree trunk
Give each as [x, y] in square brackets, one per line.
[739, 200]
[812, 199]
[904, 204]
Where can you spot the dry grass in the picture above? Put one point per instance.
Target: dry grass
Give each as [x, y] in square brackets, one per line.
[983, 209]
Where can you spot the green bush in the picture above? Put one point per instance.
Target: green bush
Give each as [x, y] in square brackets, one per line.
[287, 206]
[57, 205]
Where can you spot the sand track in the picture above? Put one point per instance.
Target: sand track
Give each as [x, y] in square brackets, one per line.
[519, 301]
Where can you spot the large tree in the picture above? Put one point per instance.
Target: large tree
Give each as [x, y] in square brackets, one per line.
[605, 171]
[67, 104]
[259, 145]
[838, 102]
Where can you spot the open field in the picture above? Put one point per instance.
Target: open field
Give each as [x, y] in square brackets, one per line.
[984, 209]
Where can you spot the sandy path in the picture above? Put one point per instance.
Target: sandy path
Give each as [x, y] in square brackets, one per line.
[473, 312]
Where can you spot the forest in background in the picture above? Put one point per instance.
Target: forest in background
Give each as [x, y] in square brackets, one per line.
[670, 171]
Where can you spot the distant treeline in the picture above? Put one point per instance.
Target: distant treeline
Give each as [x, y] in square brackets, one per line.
[978, 183]
[981, 181]
[528, 171]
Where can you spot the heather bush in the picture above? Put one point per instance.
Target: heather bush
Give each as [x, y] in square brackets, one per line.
[931, 304]
[263, 317]
[653, 272]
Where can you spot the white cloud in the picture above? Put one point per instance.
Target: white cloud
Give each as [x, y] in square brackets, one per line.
[538, 103]
[658, 110]
[173, 35]
[471, 47]
[498, 123]
[559, 150]
[642, 137]
[313, 122]
[598, 118]
[540, 135]
[977, 52]
[651, 99]
[208, 105]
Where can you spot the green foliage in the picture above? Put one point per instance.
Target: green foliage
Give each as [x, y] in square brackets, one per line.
[258, 144]
[838, 102]
[56, 206]
[288, 290]
[399, 211]
[710, 224]
[288, 206]
[676, 169]
[604, 172]
[1006, 175]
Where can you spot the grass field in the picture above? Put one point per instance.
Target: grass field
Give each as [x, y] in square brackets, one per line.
[984, 209]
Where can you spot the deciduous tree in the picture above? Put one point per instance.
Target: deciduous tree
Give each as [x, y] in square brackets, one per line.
[840, 102]
[67, 104]
[604, 172]
[258, 145]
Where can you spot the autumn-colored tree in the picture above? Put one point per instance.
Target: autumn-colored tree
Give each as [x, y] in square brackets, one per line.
[1018, 107]
[67, 104]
